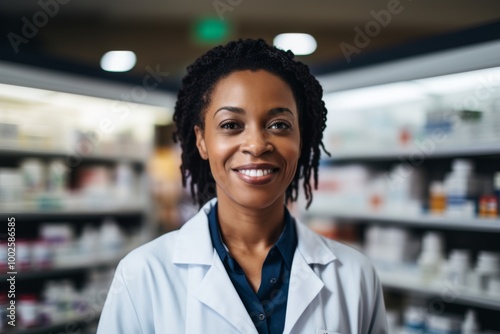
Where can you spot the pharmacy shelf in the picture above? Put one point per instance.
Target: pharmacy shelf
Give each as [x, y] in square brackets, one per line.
[135, 214]
[71, 267]
[30, 215]
[446, 292]
[53, 272]
[416, 152]
[73, 325]
[425, 221]
[44, 153]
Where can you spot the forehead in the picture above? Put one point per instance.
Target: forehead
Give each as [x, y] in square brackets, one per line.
[258, 86]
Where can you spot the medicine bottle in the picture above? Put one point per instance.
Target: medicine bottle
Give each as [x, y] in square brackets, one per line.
[437, 198]
[470, 324]
[496, 190]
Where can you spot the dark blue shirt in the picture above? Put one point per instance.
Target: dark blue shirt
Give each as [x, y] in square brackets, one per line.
[267, 307]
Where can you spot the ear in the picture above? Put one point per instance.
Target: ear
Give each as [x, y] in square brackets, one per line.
[200, 142]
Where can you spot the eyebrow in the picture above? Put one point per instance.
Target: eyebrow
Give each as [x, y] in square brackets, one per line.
[271, 112]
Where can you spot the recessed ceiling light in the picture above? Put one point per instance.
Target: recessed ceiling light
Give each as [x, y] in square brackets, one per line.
[118, 61]
[299, 44]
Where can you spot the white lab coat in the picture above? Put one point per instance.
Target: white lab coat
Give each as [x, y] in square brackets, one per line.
[178, 284]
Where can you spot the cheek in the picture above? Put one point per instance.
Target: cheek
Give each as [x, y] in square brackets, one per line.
[291, 152]
[219, 152]
[294, 156]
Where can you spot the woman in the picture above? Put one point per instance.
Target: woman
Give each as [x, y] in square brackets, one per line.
[250, 120]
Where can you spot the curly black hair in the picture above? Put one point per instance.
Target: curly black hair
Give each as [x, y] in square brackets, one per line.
[194, 97]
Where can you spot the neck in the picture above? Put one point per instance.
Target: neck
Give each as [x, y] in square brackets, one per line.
[250, 228]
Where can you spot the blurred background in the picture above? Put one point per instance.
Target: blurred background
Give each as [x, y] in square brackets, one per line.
[88, 169]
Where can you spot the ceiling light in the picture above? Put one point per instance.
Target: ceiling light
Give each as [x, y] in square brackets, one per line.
[118, 61]
[299, 44]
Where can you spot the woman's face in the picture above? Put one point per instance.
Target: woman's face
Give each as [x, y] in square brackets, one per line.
[251, 138]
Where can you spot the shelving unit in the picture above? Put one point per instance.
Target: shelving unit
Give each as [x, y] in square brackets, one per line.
[400, 88]
[439, 152]
[63, 109]
[321, 208]
[80, 265]
[409, 284]
[7, 151]
[69, 213]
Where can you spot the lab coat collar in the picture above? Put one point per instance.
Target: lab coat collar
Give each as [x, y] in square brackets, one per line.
[194, 244]
[313, 247]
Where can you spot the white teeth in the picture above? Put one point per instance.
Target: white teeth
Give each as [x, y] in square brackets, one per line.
[256, 172]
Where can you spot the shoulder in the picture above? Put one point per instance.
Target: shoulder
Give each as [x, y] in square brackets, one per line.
[157, 247]
[167, 252]
[348, 271]
[348, 255]
[345, 259]
[155, 252]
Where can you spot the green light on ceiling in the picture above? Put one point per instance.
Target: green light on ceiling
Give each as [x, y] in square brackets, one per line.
[211, 30]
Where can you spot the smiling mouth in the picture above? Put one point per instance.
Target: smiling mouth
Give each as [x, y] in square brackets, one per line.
[257, 176]
[257, 172]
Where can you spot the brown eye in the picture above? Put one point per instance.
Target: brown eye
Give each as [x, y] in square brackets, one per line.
[280, 126]
[230, 126]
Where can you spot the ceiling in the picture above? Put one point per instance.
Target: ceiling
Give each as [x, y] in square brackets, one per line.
[160, 31]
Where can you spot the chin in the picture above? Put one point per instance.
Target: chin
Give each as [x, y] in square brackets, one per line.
[258, 201]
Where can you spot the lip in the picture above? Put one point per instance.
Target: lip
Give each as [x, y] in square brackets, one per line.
[256, 180]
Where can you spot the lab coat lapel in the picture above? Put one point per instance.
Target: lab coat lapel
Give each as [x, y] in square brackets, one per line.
[304, 287]
[208, 279]
[305, 284]
[217, 292]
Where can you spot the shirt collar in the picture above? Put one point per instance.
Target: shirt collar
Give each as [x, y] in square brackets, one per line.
[286, 244]
[312, 247]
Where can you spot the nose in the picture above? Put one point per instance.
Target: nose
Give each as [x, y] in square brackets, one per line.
[256, 143]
